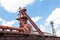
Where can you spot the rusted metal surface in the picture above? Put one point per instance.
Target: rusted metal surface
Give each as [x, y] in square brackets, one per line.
[23, 12]
[23, 29]
[5, 28]
[24, 24]
[19, 36]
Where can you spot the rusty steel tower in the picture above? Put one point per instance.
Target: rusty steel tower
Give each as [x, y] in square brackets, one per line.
[22, 13]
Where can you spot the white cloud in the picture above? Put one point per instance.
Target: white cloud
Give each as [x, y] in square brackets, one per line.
[58, 33]
[42, 28]
[35, 19]
[11, 23]
[55, 16]
[13, 5]
[7, 23]
[1, 19]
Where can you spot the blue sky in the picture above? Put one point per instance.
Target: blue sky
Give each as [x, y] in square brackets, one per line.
[41, 12]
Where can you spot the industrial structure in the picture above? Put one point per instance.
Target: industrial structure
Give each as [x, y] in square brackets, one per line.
[25, 31]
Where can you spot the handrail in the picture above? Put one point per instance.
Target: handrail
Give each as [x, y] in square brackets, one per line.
[10, 28]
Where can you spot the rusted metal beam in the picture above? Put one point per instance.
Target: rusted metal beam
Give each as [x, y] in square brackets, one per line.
[11, 28]
[34, 25]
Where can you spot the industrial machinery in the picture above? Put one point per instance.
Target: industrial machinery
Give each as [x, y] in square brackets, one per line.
[22, 12]
[24, 32]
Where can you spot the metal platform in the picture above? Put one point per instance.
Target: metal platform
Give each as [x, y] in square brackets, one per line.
[19, 36]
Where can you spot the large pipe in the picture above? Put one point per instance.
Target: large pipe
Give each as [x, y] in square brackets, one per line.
[12, 28]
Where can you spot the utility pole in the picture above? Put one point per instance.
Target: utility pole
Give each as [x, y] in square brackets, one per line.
[53, 30]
